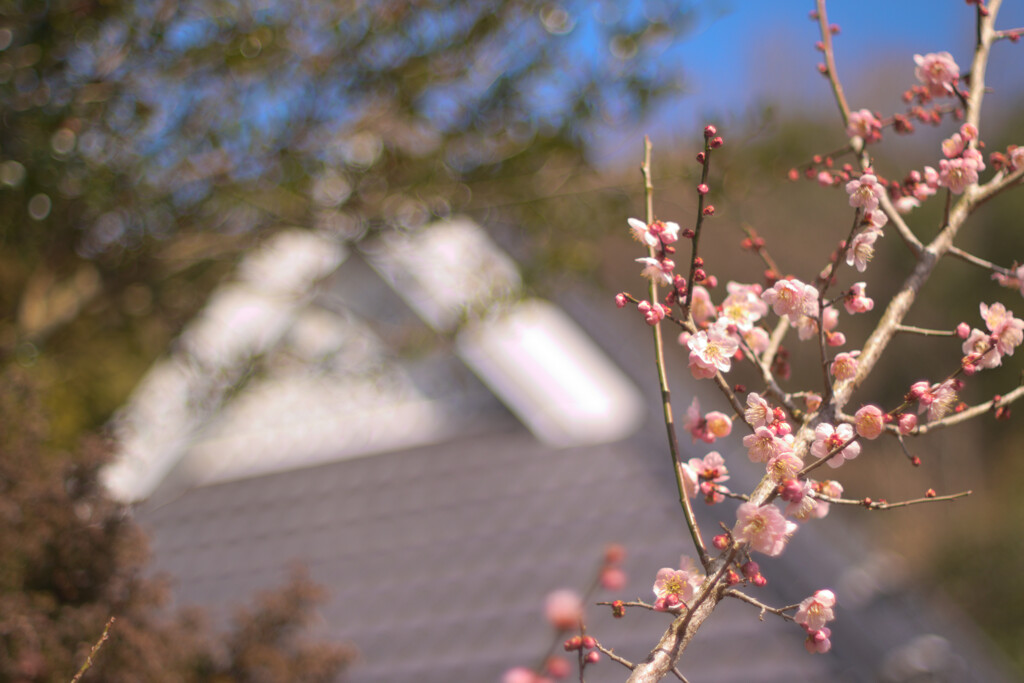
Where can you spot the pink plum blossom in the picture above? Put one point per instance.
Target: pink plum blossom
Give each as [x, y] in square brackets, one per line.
[707, 428]
[864, 192]
[844, 366]
[655, 235]
[653, 313]
[758, 413]
[818, 641]
[763, 445]
[691, 483]
[1017, 157]
[953, 145]
[521, 674]
[638, 231]
[711, 351]
[1016, 279]
[711, 467]
[758, 339]
[563, 609]
[978, 347]
[719, 424]
[744, 306]
[807, 327]
[856, 301]
[816, 611]
[957, 174]
[658, 271]
[935, 400]
[783, 466]
[666, 232]
[906, 204]
[792, 298]
[866, 125]
[701, 307]
[938, 72]
[827, 438]
[862, 249]
[673, 588]
[763, 527]
[1007, 330]
[907, 423]
[869, 421]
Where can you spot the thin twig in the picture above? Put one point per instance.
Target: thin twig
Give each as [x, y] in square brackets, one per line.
[910, 329]
[95, 648]
[780, 611]
[614, 657]
[659, 359]
[967, 414]
[978, 261]
[883, 505]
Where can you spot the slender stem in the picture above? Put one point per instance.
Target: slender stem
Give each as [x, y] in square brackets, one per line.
[830, 64]
[910, 329]
[882, 505]
[780, 611]
[973, 411]
[614, 657]
[978, 261]
[95, 649]
[666, 396]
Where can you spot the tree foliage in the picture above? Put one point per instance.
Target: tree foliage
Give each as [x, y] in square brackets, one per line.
[73, 558]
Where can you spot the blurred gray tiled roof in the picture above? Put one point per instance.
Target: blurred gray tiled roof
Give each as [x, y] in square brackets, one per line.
[438, 553]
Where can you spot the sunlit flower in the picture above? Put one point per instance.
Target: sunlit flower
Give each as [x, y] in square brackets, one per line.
[763, 527]
[816, 611]
[864, 192]
[938, 72]
[827, 438]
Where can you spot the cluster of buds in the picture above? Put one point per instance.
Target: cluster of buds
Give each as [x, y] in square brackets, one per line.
[586, 644]
[611, 575]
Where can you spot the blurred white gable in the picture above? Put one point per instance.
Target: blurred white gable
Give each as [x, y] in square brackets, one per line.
[344, 390]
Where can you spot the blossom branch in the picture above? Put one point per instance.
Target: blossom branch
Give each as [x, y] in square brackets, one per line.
[830, 63]
[910, 329]
[761, 250]
[978, 261]
[780, 611]
[659, 355]
[973, 411]
[883, 505]
[699, 223]
[614, 657]
[905, 233]
[95, 649]
[633, 603]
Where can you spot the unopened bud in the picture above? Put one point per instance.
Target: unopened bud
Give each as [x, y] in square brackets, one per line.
[710, 131]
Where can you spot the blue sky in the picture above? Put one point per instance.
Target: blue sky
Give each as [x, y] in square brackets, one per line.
[748, 51]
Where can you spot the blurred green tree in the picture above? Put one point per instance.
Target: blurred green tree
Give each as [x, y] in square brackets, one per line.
[72, 559]
[143, 146]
